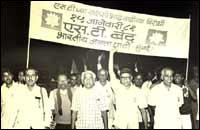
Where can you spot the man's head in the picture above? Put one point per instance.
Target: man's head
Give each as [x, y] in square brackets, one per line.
[31, 77]
[150, 75]
[167, 76]
[73, 79]
[178, 78]
[138, 80]
[7, 77]
[102, 75]
[62, 81]
[126, 77]
[88, 79]
[21, 76]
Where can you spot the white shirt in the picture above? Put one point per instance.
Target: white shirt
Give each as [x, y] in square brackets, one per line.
[31, 112]
[127, 102]
[167, 104]
[65, 118]
[110, 99]
[89, 103]
[9, 105]
[145, 90]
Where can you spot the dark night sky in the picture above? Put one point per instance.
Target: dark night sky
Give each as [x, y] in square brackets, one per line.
[49, 57]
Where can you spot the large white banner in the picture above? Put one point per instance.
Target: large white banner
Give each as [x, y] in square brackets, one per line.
[81, 25]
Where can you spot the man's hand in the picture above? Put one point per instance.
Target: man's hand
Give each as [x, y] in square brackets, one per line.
[52, 125]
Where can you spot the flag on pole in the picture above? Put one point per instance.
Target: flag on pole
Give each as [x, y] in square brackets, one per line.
[74, 68]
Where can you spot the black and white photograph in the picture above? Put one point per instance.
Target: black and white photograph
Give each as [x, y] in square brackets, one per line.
[100, 64]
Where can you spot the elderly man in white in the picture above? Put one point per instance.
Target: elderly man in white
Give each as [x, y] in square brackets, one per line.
[9, 100]
[89, 105]
[166, 98]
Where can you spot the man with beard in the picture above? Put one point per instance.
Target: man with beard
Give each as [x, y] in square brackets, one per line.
[34, 111]
[89, 105]
[60, 99]
[166, 98]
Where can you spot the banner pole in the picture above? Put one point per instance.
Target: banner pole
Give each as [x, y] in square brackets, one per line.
[28, 53]
[28, 48]
[187, 66]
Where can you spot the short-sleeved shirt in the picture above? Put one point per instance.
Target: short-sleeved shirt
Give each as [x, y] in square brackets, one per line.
[89, 103]
[34, 109]
[167, 104]
[128, 100]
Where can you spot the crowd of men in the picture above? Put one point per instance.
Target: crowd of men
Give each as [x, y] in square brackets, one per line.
[126, 101]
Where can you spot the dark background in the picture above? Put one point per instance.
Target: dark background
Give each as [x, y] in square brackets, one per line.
[50, 58]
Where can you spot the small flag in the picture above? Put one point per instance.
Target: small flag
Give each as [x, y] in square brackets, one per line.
[74, 68]
[136, 67]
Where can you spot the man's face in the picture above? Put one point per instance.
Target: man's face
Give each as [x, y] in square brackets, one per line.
[31, 77]
[7, 78]
[149, 75]
[21, 76]
[62, 81]
[73, 80]
[88, 80]
[178, 78]
[138, 80]
[126, 79]
[168, 77]
[102, 76]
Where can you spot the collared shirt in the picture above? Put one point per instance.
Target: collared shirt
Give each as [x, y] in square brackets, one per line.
[127, 102]
[34, 109]
[110, 99]
[89, 103]
[9, 103]
[75, 88]
[167, 104]
[65, 118]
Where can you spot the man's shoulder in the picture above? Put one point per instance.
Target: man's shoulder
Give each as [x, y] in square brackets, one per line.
[176, 87]
[53, 91]
[156, 86]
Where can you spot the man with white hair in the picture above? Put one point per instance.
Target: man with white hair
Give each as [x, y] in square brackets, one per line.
[89, 105]
[166, 98]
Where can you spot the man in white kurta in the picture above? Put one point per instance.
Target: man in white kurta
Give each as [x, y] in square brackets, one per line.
[9, 94]
[167, 98]
[34, 111]
[128, 99]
